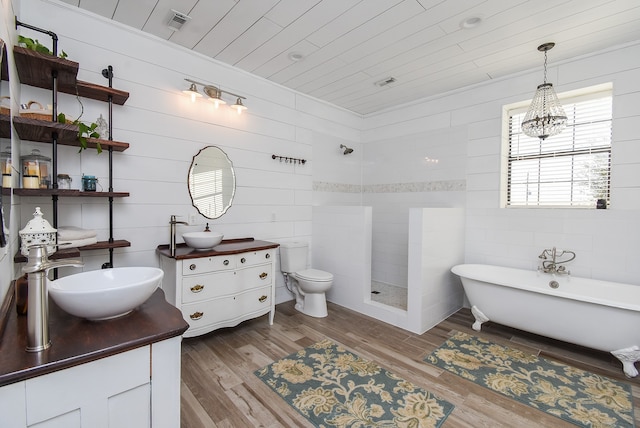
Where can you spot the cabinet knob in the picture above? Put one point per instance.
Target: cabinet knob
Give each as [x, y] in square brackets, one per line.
[242, 260]
[196, 315]
[192, 266]
[267, 256]
[262, 298]
[263, 275]
[197, 288]
[226, 262]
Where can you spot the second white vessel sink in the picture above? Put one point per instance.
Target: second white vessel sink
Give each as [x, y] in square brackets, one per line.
[202, 240]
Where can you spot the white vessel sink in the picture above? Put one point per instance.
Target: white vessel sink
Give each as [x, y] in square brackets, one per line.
[202, 240]
[106, 293]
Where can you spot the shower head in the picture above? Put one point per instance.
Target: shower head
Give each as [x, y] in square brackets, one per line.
[347, 150]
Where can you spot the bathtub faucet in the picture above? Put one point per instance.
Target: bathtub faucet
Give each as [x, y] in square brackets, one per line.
[555, 264]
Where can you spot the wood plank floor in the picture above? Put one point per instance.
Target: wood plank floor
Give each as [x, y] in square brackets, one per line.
[219, 388]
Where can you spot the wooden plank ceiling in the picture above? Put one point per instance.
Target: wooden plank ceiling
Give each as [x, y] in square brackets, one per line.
[346, 46]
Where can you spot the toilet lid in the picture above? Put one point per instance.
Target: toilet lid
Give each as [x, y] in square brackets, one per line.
[314, 275]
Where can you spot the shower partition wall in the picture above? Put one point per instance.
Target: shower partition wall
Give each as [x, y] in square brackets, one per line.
[342, 238]
[436, 243]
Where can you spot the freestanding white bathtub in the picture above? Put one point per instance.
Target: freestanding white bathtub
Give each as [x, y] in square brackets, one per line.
[597, 314]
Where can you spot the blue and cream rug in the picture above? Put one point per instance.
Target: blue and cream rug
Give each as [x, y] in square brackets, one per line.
[575, 395]
[332, 387]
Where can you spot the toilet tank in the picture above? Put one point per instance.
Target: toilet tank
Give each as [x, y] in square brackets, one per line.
[293, 256]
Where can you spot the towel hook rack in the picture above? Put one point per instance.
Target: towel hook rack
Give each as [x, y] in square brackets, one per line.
[288, 159]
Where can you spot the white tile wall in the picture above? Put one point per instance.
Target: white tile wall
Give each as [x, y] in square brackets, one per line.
[398, 176]
[605, 240]
[436, 243]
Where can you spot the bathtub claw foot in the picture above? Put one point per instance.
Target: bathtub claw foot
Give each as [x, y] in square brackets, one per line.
[480, 318]
[628, 356]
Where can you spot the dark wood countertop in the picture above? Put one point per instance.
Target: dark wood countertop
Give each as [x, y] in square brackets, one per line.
[227, 246]
[77, 341]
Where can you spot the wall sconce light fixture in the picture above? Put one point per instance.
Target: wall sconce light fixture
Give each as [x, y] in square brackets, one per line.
[214, 94]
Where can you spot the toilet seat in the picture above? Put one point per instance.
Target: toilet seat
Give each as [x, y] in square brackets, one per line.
[314, 275]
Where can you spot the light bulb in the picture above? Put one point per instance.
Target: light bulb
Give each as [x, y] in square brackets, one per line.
[238, 106]
[192, 92]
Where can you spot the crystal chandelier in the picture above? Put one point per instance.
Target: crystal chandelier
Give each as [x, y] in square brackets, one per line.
[545, 116]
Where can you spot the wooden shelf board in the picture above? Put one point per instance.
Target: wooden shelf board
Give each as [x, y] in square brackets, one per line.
[70, 253]
[35, 69]
[73, 193]
[103, 245]
[98, 92]
[42, 131]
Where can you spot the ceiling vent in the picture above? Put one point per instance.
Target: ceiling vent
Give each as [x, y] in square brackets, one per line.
[177, 20]
[385, 81]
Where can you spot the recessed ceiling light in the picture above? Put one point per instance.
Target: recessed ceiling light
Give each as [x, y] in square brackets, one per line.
[295, 56]
[471, 22]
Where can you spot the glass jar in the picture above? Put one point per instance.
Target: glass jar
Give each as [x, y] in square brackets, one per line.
[64, 181]
[36, 171]
[5, 166]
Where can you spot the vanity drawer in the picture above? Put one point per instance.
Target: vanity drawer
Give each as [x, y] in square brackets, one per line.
[208, 264]
[228, 311]
[252, 258]
[203, 287]
[252, 277]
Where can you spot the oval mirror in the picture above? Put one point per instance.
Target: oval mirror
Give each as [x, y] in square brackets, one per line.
[212, 182]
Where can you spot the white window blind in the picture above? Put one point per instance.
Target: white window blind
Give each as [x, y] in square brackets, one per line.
[206, 191]
[571, 169]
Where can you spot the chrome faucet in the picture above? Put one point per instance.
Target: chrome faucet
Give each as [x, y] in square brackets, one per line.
[554, 265]
[172, 239]
[37, 267]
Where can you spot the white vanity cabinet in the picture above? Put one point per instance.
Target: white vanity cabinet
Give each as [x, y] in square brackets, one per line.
[116, 391]
[221, 289]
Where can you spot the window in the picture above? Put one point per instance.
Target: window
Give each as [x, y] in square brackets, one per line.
[571, 169]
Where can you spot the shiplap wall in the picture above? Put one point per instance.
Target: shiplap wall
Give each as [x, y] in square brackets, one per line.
[273, 199]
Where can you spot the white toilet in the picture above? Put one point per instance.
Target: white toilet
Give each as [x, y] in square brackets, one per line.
[308, 285]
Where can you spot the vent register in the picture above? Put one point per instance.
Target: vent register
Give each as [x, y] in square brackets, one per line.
[177, 20]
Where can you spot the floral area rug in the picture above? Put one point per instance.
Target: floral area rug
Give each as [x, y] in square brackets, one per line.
[332, 387]
[577, 396]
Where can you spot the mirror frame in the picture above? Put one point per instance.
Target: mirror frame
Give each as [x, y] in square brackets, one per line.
[233, 184]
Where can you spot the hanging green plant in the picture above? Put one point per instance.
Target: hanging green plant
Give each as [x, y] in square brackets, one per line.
[35, 45]
[84, 131]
